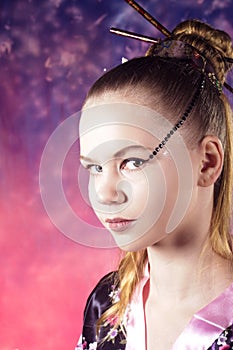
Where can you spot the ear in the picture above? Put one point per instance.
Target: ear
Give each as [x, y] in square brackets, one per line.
[211, 160]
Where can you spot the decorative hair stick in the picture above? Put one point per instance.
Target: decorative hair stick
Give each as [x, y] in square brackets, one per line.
[145, 38]
[148, 17]
[159, 26]
[228, 87]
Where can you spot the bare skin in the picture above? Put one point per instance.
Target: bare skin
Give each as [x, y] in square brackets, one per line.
[177, 290]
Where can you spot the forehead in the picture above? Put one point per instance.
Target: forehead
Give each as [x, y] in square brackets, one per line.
[106, 128]
[124, 118]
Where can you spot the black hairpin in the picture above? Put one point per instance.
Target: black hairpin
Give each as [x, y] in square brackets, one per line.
[148, 17]
[132, 35]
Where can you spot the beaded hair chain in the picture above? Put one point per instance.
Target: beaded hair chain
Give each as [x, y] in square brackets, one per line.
[175, 48]
[182, 120]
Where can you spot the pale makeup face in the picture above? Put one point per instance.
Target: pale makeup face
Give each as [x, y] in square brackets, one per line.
[138, 199]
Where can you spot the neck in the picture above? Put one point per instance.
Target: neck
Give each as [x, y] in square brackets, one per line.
[183, 273]
[179, 267]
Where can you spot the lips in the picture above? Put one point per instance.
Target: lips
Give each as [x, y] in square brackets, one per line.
[118, 224]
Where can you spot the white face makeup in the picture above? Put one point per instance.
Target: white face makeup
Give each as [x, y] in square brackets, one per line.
[139, 200]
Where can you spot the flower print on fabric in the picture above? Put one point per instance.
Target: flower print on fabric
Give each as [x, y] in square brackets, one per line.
[224, 341]
[84, 346]
[110, 336]
[115, 294]
[112, 321]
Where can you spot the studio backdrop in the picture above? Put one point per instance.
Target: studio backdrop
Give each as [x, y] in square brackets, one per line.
[52, 248]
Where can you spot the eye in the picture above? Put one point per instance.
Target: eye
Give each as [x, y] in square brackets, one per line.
[133, 164]
[94, 169]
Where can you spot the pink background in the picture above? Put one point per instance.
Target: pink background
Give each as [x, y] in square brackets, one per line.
[50, 53]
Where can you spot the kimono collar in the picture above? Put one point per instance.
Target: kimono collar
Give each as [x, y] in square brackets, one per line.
[202, 330]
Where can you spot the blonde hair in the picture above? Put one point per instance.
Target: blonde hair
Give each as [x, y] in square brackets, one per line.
[168, 82]
[215, 45]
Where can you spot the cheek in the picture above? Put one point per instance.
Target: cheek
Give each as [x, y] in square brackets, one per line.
[162, 196]
[139, 194]
[172, 190]
[156, 195]
[156, 210]
[149, 198]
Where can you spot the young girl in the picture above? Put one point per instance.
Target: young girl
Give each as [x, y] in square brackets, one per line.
[156, 137]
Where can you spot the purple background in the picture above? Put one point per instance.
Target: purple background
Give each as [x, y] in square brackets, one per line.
[51, 51]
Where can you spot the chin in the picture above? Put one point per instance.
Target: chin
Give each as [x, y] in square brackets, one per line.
[141, 243]
[133, 246]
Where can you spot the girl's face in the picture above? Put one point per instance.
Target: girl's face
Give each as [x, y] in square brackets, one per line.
[139, 200]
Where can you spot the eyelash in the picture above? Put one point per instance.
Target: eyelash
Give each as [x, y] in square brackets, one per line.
[90, 166]
[134, 160]
[122, 166]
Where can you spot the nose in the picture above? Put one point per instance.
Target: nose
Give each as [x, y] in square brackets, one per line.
[108, 189]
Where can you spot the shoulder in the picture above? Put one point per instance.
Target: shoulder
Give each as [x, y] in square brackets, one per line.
[100, 297]
[99, 300]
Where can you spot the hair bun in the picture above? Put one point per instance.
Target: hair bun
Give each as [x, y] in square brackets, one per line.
[214, 44]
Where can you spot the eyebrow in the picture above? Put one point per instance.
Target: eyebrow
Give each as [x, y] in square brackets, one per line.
[120, 153]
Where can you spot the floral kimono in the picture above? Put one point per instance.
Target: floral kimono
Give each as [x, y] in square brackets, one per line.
[211, 328]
